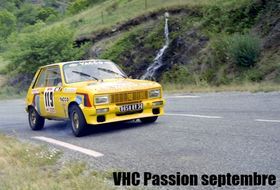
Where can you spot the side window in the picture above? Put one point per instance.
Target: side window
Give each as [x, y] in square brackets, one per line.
[41, 82]
[53, 77]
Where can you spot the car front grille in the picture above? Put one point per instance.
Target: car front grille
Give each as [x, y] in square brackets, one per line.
[127, 97]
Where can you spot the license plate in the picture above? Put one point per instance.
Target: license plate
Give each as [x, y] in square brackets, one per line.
[131, 107]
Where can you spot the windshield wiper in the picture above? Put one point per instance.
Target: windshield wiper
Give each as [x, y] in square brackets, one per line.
[110, 71]
[85, 74]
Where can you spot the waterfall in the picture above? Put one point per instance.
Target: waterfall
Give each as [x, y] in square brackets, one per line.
[151, 70]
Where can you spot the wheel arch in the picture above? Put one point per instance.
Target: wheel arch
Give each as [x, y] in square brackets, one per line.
[71, 104]
[29, 107]
[32, 106]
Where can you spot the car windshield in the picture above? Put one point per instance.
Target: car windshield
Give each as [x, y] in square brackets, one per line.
[91, 70]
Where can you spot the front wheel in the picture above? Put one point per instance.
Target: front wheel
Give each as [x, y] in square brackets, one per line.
[149, 119]
[36, 122]
[78, 122]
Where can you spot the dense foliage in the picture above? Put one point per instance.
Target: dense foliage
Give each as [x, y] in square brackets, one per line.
[24, 45]
[30, 50]
[217, 44]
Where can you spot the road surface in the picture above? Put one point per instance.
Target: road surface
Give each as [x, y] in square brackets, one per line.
[200, 133]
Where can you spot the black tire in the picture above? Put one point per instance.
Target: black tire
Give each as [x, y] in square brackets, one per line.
[78, 122]
[36, 122]
[149, 119]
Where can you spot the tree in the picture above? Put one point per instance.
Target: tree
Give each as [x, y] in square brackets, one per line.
[7, 23]
[29, 51]
[27, 14]
[45, 12]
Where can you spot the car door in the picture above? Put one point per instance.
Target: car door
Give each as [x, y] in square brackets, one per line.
[38, 92]
[53, 93]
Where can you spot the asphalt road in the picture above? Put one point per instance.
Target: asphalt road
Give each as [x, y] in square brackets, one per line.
[200, 133]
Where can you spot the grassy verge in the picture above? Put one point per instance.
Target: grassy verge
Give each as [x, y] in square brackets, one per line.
[246, 87]
[25, 166]
[186, 88]
[9, 92]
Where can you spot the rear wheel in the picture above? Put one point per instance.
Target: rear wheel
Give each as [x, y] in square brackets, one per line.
[78, 122]
[36, 122]
[149, 119]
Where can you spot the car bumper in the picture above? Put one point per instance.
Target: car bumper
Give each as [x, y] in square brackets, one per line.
[114, 115]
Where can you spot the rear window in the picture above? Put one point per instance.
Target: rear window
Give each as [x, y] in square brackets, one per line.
[41, 82]
[49, 77]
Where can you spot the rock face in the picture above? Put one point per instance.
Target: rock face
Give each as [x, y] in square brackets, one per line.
[272, 40]
[268, 26]
[180, 51]
[183, 49]
[143, 51]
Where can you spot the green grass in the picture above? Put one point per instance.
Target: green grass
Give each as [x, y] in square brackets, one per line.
[115, 12]
[245, 87]
[9, 92]
[26, 167]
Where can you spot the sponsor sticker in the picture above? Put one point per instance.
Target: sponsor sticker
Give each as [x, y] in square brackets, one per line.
[73, 65]
[37, 103]
[124, 85]
[49, 100]
[79, 99]
[70, 90]
[64, 99]
[35, 91]
[58, 89]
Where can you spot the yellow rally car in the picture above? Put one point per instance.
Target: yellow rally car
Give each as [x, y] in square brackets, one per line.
[90, 92]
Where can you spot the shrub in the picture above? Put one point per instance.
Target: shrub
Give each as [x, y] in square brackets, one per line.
[123, 45]
[244, 50]
[29, 51]
[220, 50]
[45, 12]
[178, 75]
[77, 6]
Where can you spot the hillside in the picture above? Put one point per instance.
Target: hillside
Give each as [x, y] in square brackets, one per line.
[211, 43]
[109, 13]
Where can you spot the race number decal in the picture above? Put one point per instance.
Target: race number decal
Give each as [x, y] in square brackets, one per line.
[49, 100]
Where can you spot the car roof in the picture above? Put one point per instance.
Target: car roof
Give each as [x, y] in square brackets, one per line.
[62, 63]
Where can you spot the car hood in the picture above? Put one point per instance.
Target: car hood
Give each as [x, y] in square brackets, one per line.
[120, 85]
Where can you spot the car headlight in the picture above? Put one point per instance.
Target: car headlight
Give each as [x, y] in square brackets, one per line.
[104, 99]
[154, 93]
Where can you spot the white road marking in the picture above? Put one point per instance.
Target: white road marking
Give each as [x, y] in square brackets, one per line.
[69, 146]
[268, 120]
[187, 96]
[192, 115]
